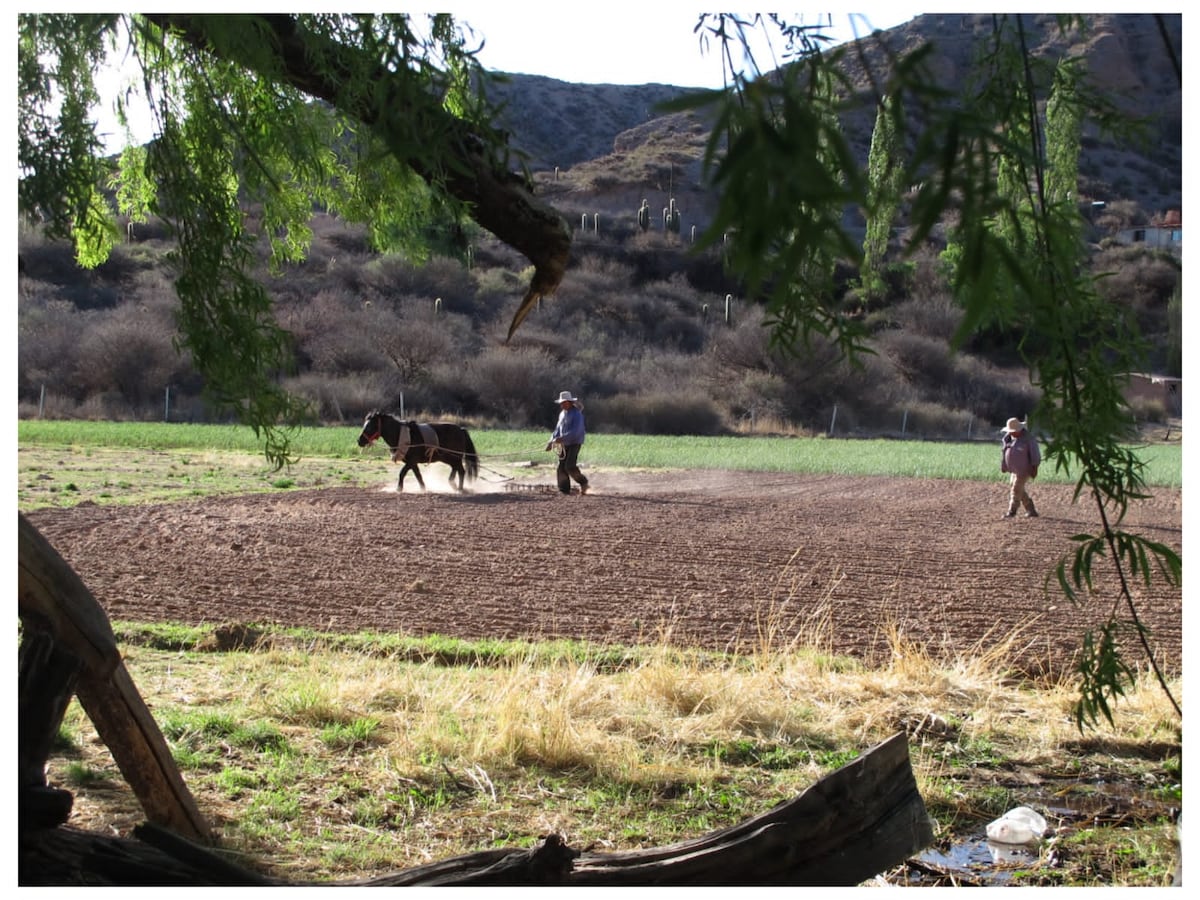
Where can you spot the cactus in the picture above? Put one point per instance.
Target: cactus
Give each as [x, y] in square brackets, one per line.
[673, 221]
[643, 216]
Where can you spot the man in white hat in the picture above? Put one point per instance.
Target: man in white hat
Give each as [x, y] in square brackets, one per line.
[568, 438]
[1020, 458]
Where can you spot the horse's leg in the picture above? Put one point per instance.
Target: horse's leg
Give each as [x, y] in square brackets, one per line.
[416, 470]
[400, 481]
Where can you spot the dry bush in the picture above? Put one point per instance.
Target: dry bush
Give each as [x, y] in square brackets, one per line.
[919, 359]
[416, 343]
[334, 237]
[744, 345]
[48, 331]
[514, 386]
[346, 399]
[336, 338]
[753, 399]
[687, 411]
[394, 278]
[992, 394]
[128, 351]
[615, 274]
[1141, 279]
[541, 331]
[935, 316]
[495, 286]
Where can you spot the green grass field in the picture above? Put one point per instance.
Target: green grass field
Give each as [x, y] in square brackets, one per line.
[916, 459]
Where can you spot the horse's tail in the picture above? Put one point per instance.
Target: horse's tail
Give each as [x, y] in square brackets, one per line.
[470, 457]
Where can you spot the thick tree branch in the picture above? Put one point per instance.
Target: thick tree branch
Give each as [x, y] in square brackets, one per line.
[497, 199]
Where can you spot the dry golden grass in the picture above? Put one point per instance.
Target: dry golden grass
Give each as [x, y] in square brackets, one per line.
[381, 763]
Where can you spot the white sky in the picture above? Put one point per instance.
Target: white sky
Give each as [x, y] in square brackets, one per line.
[629, 43]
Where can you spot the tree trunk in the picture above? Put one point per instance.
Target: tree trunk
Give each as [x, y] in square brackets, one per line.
[497, 199]
[53, 602]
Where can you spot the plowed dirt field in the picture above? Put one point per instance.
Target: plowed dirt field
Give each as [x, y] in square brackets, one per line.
[717, 560]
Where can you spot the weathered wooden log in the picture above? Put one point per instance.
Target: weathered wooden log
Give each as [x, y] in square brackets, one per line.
[854, 823]
[53, 598]
[72, 856]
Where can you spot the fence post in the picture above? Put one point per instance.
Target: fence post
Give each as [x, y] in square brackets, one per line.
[904, 423]
[833, 420]
[167, 405]
[42, 402]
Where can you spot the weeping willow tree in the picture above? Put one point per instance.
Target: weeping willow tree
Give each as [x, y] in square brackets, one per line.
[362, 115]
[986, 159]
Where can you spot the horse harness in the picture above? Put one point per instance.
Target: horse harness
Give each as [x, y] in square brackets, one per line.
[429, 442]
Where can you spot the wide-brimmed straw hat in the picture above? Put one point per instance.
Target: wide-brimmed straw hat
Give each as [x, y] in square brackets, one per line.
[566, 397]
[1014, 425]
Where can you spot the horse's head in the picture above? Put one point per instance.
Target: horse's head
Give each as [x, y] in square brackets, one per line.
[372, 428]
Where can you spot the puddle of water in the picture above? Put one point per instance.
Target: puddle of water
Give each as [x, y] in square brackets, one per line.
[980, 859]
[976, 859]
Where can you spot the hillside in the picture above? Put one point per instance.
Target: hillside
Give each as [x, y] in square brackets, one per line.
[611, 149]
[658, 339]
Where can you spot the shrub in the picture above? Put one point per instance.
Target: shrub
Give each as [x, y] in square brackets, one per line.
[346, 399]
[935, 316]
[514, 386]
[129, 352]
[657, 412]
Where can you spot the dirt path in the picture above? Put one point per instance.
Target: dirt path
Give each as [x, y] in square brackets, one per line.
[714, 559]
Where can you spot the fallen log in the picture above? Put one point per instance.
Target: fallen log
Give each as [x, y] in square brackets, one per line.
[854, 823]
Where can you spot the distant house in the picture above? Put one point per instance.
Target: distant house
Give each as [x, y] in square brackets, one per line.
[1165, 232]
[1162, 389]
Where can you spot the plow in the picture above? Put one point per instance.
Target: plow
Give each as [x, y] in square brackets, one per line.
[514, 486]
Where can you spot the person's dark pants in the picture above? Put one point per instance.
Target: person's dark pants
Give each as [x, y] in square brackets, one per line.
[568, 468]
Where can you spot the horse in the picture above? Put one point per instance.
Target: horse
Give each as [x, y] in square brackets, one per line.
[413, 443]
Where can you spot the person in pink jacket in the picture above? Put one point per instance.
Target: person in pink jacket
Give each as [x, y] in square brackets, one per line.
[1020, 458]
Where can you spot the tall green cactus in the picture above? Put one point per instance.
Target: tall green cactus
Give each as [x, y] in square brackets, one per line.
[643, 216]
[672, 218]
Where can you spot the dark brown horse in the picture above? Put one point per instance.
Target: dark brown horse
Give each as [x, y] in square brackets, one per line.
[413, 443]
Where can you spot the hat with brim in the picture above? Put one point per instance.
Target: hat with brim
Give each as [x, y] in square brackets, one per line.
[566, 397]
[1013, 426]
